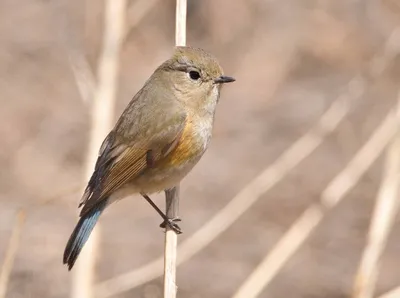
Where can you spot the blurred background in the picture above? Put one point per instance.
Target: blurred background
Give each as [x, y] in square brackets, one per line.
[292, 60]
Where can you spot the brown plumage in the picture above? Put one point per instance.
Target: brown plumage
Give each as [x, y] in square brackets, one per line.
[160, 136]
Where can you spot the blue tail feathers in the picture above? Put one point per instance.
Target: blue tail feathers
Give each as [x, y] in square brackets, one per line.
[81, 233]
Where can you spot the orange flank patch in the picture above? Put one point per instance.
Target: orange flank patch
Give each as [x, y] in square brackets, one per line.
[186, 149]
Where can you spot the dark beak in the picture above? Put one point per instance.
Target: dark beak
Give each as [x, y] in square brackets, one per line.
[224, 79]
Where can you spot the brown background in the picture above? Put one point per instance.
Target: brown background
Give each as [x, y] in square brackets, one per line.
[291, 59]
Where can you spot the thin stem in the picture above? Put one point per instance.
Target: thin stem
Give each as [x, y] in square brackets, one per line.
[309, 220]
[180, 27]
[172, 195]
[171, 241]
[386, 209]
[11, 252]
[101, 122]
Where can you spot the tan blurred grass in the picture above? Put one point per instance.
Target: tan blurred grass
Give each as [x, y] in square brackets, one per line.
[291, 59]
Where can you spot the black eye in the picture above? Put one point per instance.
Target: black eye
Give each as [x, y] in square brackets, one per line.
[194, 75]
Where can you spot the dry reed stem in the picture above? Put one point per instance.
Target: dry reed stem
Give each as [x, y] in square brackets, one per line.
[66, 192]
[331, 196]
[242, 201]
[395, 293]
[382, 222]
[180, 26]
[16, 235]
[83, 74]
[385, 211]
[101, 122]
[171, 242]
[84, 77]
[11, 252]
[335, 191]
[171, 238]
[137, 11]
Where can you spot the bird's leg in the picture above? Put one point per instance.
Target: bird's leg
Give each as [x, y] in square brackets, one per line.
[172, 205]
[174, 220]
[167, 221]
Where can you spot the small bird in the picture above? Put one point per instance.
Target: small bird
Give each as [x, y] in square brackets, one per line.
[160, 136]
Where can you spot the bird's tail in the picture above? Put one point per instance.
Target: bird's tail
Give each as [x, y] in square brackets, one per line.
[81, 233]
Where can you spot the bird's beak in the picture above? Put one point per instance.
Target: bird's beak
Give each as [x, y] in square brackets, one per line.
[224, 79]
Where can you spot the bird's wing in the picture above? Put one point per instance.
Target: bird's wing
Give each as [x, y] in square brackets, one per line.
[136, 143]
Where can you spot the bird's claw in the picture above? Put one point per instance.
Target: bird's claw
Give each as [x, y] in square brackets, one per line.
[172, 224]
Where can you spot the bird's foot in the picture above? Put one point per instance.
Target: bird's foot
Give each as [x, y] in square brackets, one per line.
[172, 224]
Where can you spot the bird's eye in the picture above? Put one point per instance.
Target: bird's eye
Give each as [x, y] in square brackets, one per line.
[194, 75]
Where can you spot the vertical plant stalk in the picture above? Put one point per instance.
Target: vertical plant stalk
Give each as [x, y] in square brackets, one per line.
[172, 195]
[335, 192]
[180, 25]
[102, 112]
[394, 293]
[11, 252]
[171, 241]
[386, 209]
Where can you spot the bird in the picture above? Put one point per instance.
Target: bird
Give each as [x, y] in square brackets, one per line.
[160, 136]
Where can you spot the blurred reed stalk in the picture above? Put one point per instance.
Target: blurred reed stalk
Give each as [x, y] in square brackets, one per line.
[302, 228]
[336, 190]
[394, 293]
[137, 11]
[172, 195]
[170, 243]
[383, 218]
[102, 112]
[11, 252]
[84, 77]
